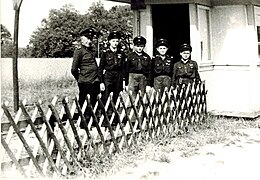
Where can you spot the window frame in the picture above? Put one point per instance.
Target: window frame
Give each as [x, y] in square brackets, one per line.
[207, 9]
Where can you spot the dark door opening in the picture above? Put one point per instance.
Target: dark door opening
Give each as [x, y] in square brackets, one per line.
[172, 22]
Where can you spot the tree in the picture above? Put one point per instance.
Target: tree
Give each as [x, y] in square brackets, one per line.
[56, 35]
[25, 52]
[59, 32]
[6, 43]
[118, 18]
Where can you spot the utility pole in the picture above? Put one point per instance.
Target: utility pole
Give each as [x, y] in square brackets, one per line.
[16, 5]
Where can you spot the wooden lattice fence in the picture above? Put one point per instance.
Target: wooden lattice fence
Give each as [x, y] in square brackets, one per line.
[33, 147]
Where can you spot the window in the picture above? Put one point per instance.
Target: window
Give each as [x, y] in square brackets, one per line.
[257, 19]
[258, 39]
[204, 30]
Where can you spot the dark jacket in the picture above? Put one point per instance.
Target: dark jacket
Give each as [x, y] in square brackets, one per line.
[139, 64]
[112, 61]
[162, 66]
[184, 73]
[84, 66]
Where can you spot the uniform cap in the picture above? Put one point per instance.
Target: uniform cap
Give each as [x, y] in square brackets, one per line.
[139, 40]
[162, 42]
[185, 47]
[114, 35]
[89, 33]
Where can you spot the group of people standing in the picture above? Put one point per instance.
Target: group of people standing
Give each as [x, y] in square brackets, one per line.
[133, 71]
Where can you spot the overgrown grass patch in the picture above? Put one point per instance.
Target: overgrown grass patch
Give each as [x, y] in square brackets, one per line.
[44, 90]
[216, 130]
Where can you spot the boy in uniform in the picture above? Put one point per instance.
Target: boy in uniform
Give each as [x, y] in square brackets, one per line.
[185, 71]
[138, 67]
[162, 66]
[111, 69]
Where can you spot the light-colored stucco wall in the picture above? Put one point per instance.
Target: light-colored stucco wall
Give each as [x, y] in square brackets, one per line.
[231, 75]
[235, 75]
[30, 69]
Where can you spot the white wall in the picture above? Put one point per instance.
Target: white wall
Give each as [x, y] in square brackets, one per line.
[235, 76]
[36, 68]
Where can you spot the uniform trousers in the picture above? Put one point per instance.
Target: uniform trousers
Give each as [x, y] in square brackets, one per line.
[160, 82]
[93, 89]
[137, 82]
[113, 81]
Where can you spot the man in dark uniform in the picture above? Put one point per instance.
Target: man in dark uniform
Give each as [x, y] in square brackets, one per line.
[85, 70]
[111, 69]
[162, 66]
[185, 71]
[138, 67]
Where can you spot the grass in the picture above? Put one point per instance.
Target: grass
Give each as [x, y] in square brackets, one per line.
[215, 130]
[44, 90]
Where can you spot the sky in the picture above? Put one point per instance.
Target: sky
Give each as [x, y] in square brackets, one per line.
[33, 11]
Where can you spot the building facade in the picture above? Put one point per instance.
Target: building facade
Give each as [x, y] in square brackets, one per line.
[225, 36]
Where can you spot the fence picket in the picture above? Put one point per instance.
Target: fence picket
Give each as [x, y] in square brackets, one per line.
[72, 125]
[42, 144]
[124, 139]
[26, 135]
[53, 137]
[27, 147]
[128, 119]
[11, 130]
[150, 114]
[96, 122]
[12, 156]
[109, 126]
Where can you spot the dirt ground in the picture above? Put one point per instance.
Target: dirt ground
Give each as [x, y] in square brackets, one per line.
[219, 151]
[237, 158]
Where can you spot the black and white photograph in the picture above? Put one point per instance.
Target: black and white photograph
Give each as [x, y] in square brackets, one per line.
[130, 89]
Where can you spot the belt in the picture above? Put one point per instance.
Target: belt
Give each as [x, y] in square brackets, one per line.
[185, 80]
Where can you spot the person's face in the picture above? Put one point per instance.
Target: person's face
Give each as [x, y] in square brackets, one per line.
[185, 55]
[114, 43]
[85, 41]
[138, 48]
[162, 50]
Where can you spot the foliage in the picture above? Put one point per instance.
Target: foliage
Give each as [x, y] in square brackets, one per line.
[59, 32]
[6, 42]
[5, 35]
[25, 52]
[54, 38]
[7, 45]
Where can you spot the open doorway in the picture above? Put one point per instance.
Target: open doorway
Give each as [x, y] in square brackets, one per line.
[172, 22]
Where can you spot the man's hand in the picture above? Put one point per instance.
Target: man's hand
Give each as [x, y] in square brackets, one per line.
[125, 88]
[102, 87]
